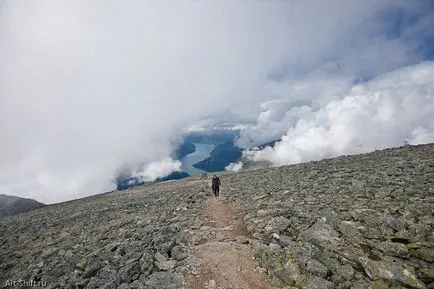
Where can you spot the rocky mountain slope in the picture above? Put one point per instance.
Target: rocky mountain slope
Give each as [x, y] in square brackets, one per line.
[12, 205]
[363, 221]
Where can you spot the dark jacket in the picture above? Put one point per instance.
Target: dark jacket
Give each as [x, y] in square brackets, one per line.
[216, 182]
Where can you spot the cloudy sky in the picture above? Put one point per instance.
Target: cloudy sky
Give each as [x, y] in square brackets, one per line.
[89, 87]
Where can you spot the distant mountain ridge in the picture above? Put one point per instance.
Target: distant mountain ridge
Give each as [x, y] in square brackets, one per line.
[211, 137]
[268, 144]
[123, 184]
[12, 205]
[184, 149]
[173, 176]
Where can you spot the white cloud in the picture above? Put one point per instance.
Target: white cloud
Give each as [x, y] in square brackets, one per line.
[87, 88]
[421, 135]
[157, 169]
[384, 112]
[234, 167]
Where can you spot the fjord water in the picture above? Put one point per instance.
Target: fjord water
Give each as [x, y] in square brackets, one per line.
[202, 152]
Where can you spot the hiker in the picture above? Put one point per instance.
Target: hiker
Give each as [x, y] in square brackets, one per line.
[216, 185]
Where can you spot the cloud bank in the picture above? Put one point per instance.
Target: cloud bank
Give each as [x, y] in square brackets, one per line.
[154, 170]
[234, 167]
[391, 110]
[87, 88]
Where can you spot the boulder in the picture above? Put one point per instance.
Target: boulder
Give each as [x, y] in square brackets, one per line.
[277, 225]
[316, 268]
[289, 273]
[377, 270]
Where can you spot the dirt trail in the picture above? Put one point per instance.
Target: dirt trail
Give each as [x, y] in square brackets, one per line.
[224, 256]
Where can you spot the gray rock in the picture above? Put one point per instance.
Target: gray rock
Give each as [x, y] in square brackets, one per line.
[423, 253]
[92, 271]
[349, 230]
[362, 285]
[390, 271]
[395, 223]
[277, 225]
[129, 272]
[317, 268]
[321, 235]
[427, 275]
[393, 249]
[178, 253]
[289, 273]
[137, 284]
[105, 278]
[124, 286]
[315, 282]
[274, 246]
[146, 263]
[346, 272]
[162, 263]
[285, 241]
[164, 280]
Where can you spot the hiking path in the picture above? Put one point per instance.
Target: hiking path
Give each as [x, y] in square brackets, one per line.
[222, 254]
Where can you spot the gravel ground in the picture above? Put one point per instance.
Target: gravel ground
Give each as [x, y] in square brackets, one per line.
[363, 221]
